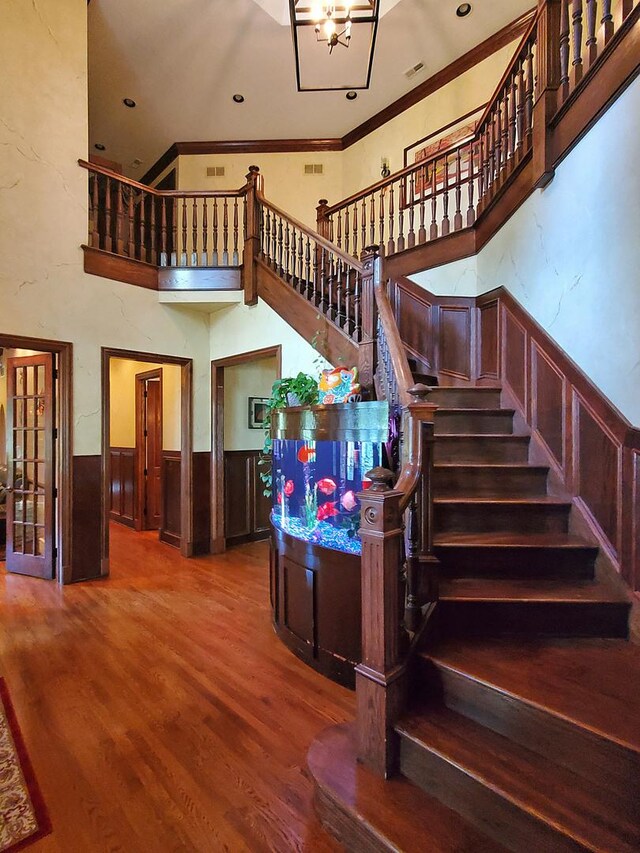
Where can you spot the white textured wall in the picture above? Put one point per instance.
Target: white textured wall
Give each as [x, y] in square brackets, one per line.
[459, 278]
[43, 219]
[571, 255]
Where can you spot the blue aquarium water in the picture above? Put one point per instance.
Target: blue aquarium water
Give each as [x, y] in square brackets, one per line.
[315, 484]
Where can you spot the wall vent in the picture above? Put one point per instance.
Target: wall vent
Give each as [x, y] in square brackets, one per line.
[411, 72]
[215, 171]
[313, 169]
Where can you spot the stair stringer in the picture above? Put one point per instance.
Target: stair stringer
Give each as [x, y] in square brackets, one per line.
[303, 316]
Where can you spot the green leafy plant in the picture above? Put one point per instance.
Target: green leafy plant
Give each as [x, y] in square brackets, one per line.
[305, 389]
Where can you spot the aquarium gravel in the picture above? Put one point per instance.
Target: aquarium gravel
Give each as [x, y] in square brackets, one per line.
[323, 534]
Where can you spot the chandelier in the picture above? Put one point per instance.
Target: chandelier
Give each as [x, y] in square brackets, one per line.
[350, 23]
[328, 24]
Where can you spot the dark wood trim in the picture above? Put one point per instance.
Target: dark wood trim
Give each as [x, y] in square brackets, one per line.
[477, 54]
[468, 60]
[64, 402]
[140, 483]
[171, 537]
[117, 268]
[163, 162]
[118, 479]
[186, 420]
[218, 544]
[199, 278]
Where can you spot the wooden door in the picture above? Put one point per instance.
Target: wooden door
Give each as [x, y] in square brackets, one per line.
[30, 463]
[149, 449]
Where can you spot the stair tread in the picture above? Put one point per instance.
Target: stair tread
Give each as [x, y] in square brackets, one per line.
[466, 410]
[543, 589]
[509, 466]
[400, 814]
[547, 500]
[592, 683]
[491, 436]
[511, 540]
[559, 797]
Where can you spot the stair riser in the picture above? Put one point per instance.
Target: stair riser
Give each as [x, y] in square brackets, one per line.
[476, 423]
[484, 808]
[489, 562]
[501, 518]
[490, 482]
[592, 757]
[477, 450]
[465, 398]
[538, 618]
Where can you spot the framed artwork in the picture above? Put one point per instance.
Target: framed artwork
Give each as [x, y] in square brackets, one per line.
[450, 136]
[257, 412]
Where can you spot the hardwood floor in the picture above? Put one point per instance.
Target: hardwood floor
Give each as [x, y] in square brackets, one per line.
[160, 711]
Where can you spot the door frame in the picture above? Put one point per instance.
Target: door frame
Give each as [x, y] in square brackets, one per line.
[64, 478]
[186, 443]
[139, 483]
[218, 543]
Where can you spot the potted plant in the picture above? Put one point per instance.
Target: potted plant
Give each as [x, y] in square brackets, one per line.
[300, 390]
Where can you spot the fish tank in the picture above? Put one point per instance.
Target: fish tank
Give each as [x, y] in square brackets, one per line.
[316, 480]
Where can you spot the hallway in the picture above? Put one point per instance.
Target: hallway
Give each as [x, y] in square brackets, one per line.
[160, 711]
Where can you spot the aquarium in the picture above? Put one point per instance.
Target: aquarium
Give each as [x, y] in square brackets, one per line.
[315, 486]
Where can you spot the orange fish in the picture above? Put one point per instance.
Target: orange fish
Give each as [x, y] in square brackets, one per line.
[327, 510]
[306, 454]
[327, 486]
[288, 488]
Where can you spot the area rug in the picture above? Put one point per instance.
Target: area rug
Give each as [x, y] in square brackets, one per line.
[23, 815]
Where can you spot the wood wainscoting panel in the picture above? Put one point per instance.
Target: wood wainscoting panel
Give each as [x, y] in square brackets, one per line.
[246, 509]
[488, 358]
[454, 341]
[202, 502]
[122, 485]
[548, 404]
[597, 460]
[632, 576]
[514, 357]
[86, 518]
[170, 522]
[299, 605]
[414, 312]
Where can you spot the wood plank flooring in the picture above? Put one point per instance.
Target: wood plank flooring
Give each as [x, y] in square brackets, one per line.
[160, 711]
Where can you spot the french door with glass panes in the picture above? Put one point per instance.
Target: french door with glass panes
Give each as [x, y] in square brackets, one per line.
[30, 460]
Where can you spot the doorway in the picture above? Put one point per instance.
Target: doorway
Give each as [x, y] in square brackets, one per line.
[239, 510]
[147, 445]
[35, 494]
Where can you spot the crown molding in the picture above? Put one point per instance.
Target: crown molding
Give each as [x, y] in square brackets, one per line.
[465, 62]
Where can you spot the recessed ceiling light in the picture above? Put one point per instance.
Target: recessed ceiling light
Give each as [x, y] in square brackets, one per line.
[239, 99]
[129, 102]
[100, 146]
[351, 96]
[463, 10]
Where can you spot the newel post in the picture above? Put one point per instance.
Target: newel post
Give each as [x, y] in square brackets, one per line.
[254, 186]
[381, 677]
[323, 223]
[371, 278]
[547, 85]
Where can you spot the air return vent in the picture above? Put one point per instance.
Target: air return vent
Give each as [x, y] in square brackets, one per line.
[411, 72]
[313, 169]
[215, 171]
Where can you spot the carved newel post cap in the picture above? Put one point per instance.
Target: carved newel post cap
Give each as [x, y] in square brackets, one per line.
[323, 202]
[254, 169]
[371, 250]
[381, 479]
[419, 392]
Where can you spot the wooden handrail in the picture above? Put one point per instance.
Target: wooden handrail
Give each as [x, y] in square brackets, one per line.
[509, 70]
[116, 176]
[313, 235]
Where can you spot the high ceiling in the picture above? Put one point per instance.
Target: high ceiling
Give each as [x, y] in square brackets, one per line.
[181, 61]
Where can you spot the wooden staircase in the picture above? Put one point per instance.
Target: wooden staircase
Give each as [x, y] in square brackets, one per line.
[523, 732]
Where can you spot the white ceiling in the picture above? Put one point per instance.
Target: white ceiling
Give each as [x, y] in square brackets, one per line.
[182, 60]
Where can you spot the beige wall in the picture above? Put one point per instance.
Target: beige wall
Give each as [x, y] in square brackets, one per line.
[43, 220]
[253, 379]
[122, 374]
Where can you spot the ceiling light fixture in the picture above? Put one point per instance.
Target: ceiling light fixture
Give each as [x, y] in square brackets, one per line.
[100, 147]
[333, 24]
[239, 99]
[351, 96]
[463, 10]
[129, 102]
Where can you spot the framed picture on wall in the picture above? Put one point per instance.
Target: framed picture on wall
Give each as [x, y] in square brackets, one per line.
[453, 134]
[257, 412]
